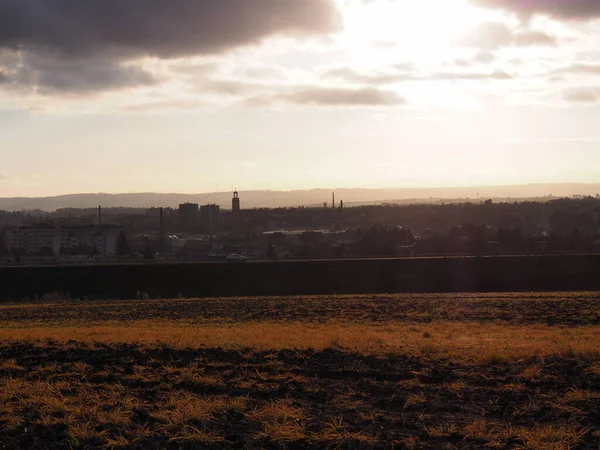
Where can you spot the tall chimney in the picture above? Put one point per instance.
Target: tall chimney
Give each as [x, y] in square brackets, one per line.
[333, 199]
[162, 228]
[100, 215]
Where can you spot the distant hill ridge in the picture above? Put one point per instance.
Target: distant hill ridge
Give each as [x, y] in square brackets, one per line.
[312, 197]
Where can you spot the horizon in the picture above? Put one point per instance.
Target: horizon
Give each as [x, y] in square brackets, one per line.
[326, 189]
[285, 95]
[306, 197]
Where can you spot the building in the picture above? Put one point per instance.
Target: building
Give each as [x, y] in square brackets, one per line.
[155, 212]
[32, 240]
[188, 216]
[235, 203]
[100, 239]
[11, 220]
[40, 239]
[210, 218]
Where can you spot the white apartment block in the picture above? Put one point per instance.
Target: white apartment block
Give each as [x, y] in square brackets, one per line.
[33, 240]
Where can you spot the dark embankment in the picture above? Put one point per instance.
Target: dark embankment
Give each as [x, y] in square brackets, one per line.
[477, 274]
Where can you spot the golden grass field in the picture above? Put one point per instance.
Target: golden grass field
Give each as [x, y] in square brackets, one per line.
[383, 371]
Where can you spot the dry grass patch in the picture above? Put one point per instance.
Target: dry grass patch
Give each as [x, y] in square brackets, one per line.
[407, 371]
[183, 407]
[280, 421]
[491, 343]
[532, 373]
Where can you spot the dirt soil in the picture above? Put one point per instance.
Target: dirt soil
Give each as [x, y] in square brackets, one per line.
[565, 308]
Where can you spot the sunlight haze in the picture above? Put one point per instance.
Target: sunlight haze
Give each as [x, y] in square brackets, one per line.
[189, 97]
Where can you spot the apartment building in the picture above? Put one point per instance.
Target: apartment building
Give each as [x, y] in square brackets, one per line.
[40, 238]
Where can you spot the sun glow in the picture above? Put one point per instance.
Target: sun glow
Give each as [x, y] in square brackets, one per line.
[421, 31]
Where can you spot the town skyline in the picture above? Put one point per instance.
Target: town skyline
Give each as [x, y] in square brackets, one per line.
[304, 197]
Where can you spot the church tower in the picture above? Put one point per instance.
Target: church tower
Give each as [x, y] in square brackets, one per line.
[235, 203]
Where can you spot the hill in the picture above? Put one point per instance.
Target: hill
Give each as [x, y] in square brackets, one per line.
[312, 197]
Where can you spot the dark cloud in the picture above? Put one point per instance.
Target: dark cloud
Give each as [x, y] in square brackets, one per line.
[343, 97]
[583, 95]
[87, 45]
[558, 9]
[156, 27]
[49, 75]
[494, 35]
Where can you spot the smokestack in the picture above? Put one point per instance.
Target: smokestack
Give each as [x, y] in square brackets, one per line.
[161, 238]
[161, 221]
[100, 215]
[333, 199]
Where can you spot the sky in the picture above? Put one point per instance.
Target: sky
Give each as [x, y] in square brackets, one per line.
[202, 96]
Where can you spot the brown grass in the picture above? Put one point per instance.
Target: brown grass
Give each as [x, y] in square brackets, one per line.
[94, 377]
[492, 343]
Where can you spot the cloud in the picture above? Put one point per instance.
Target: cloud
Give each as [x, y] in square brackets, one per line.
[483, 57]
[366, 96]
[164, 105]
[582, 95]
[157, 27]
[227, 87]
[591, 69]
[405, 66]
[50, 75]
[494, 35]
[558, 9]
[259, 71]
[92, 45]
[350, 75]
[532, 38]
[563, 73]
[379, 78]
[458, 76]
[4, 176]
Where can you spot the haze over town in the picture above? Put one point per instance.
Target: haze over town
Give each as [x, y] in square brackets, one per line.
[201, 96]
[308, 197]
